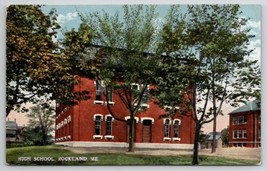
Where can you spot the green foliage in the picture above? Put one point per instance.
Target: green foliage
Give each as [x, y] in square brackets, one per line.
[124, 57]
[34, 136]
[225, 136]
[35, 67]
[208, 60]
[40, 124]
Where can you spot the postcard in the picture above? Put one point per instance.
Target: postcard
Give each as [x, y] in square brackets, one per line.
[133, 85]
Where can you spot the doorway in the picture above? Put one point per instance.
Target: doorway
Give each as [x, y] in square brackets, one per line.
[146, 135]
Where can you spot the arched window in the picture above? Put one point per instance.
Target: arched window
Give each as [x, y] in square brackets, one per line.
[176, 129]
[167, 123]
[109, 125]
[98, 119]
[98, 125]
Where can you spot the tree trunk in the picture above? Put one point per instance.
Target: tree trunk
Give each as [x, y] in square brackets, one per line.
[131, 134]
[213, 148]
[44, 137]
[196, 141]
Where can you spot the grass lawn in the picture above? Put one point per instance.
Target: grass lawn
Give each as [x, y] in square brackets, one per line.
[55, 155]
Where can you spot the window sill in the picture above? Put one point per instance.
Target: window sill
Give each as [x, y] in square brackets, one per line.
[111, 103]
[109, 137]
[166, 139]
[144, 105]
[97, 137]
[98, 102]
[176, 139]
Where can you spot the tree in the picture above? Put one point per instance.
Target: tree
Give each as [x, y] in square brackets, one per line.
[41, 120]
[35, 67]
[124, 58]
[218, 70]
[225, 136]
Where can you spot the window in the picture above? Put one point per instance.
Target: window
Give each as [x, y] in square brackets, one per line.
[135, 86]
[176, 129]
[240, 120]
[244, 119]
[234, 134]
[99, 89]
[239, 134]
[167, 128]
[145, 96]
[109, 94]
[244, 134]
[108, 125]
[98, 119]
[98, 125]
[235, 120]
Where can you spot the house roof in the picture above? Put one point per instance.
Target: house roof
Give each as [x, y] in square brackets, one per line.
[218, 136]
[251, 106]
[11, 125]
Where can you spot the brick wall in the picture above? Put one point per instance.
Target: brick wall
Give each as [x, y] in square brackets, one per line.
[81, 126]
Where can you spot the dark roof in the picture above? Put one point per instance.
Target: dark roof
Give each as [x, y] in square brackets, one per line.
[251, 106]
[11, 125]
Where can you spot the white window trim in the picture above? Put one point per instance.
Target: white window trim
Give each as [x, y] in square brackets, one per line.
[147, 118]
[138, 86]
[167, 139]
[109, 137]
[176, 139]
[243, 131]
[95, 115]
[238, 133]
[235, 117]
[65, 121]
[112, 120]
[69, 119]
[233, 134]
[97, 136]
[110, 102]
[169, 107]
[144, 105]
[128, 117]
[99, 102]
[102, 83]
[109, 115]
[164, 120]
[176, 120]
